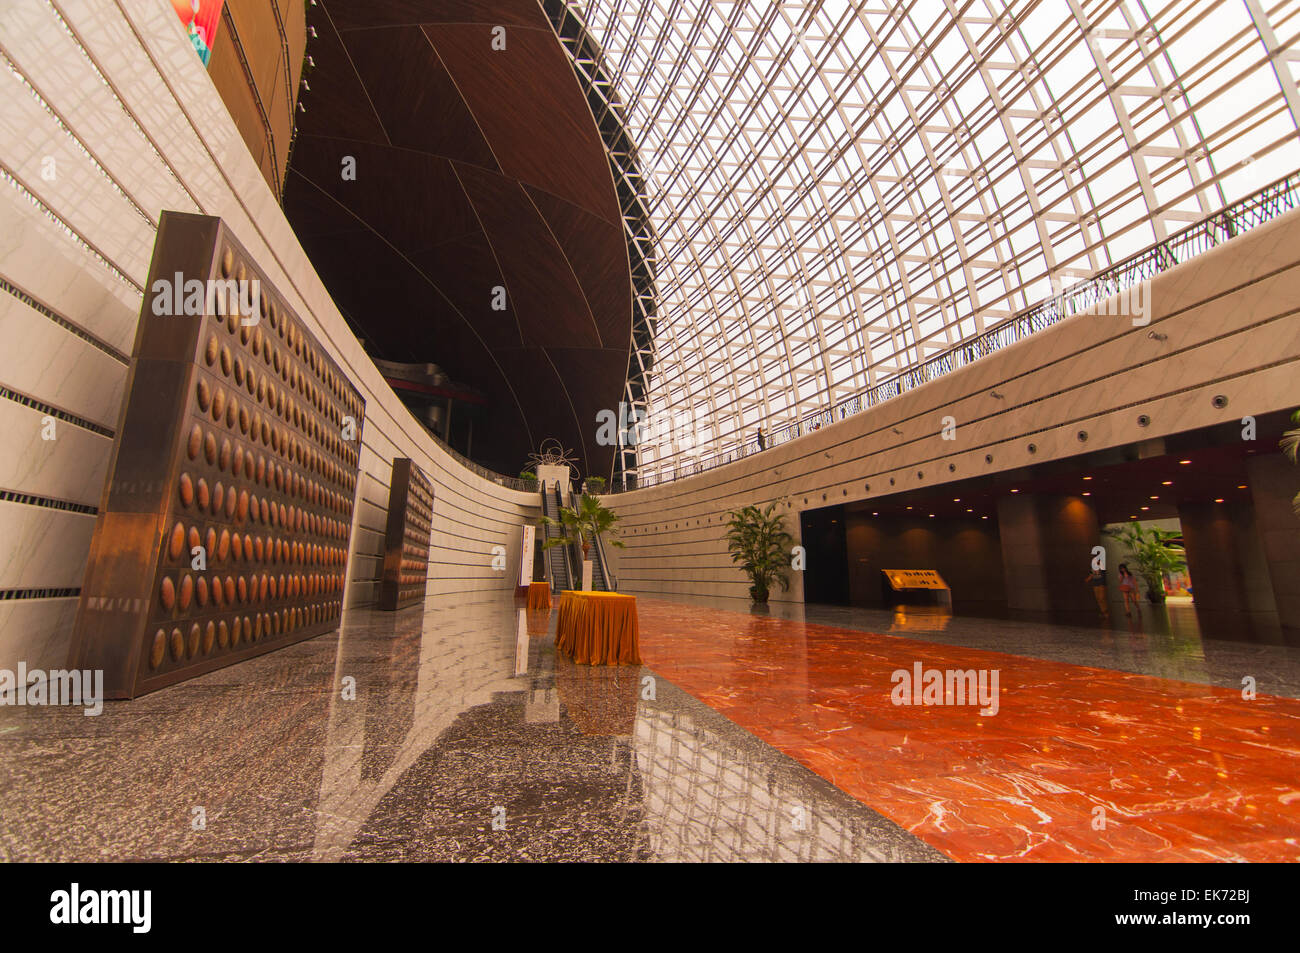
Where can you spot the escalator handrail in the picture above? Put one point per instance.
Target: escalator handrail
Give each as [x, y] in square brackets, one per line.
[610, 581]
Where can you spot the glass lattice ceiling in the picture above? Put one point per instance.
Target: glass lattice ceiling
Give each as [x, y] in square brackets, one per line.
[842, 190]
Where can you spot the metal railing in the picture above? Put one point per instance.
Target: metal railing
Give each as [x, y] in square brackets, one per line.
[513, 483]
[1262, 206]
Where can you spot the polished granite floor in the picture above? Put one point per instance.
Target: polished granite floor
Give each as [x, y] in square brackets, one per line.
[745, 737]
[467, 739]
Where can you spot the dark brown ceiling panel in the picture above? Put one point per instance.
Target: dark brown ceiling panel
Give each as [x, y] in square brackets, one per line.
[542, 133]
[417, 101]
[351, 114]
[557, 414]
[557, 313]
[597, 251]
[413, 247]
[368, 14]
[392, 193]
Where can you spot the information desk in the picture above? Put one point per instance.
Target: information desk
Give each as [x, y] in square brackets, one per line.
[598, 628]
[539, 595]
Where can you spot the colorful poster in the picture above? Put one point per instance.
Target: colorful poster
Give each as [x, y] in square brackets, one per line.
[200, 18]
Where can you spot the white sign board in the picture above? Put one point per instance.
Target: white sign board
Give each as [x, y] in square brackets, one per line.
[526, 554]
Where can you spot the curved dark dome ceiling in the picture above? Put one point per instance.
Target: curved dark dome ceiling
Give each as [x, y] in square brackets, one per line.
[476, 168]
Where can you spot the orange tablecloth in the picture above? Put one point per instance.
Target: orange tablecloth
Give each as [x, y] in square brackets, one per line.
[539, 595]
[598, 628]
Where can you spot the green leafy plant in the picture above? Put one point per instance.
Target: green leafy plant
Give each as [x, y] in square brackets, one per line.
[1290, 445]
[528, 476]
[595, 484]
[757, 540]
[582, 523]
[1155, 553]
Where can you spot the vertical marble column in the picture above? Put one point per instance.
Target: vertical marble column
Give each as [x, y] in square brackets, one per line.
[1046, 551]
[1226, 560]
[1273, 482]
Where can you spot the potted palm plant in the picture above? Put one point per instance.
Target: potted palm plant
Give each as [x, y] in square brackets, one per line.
[757, 540]
[1155, 552]
[582, 523]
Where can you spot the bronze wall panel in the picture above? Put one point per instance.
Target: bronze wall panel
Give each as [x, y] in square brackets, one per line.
[232, 439]
[406, 541]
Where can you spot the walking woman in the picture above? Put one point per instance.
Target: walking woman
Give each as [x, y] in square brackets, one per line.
[1097, 580]
[1129, 587]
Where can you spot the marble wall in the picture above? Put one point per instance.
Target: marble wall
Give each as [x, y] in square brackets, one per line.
[107, 117]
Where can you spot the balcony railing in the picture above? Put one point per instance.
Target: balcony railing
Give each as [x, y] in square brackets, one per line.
[1266, 204]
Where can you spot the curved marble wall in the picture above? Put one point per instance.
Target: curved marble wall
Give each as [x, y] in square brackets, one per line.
[1224, 323]
[107, 117]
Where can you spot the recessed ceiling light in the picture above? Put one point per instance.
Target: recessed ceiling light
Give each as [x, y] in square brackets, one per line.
[969, 510]
[1241, 486]
[1087, 494]
[909, 507]
[1184, 462]
[1219, 500]
[1145, 508]
[983, 517]
[1015, 491]
[1155, 497]
[1087, 478]
[1167, 483]
[956, 499]
[876, 513]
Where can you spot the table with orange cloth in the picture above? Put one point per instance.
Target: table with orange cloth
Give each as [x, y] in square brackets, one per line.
[539, 595]
[598, 628]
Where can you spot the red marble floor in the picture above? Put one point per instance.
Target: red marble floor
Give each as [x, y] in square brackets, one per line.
[1180, 771]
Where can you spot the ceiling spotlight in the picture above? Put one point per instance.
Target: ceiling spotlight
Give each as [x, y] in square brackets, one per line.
[1015, 491]
[969, 510]
[1219, 500]
[1087, 494]
[1167, 483]
[983, 517]
[1087, 478]
[1154, 497]
[311, 31]
[1145, 508]
[1184, 462]
[1241, 486]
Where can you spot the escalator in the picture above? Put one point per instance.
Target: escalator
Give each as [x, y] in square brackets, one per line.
[557, 557]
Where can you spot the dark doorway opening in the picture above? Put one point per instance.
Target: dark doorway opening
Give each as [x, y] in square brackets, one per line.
[825, 543]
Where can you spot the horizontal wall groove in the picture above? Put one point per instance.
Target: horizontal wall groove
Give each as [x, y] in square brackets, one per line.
[52, 411]
[49, 502]
[65, 323]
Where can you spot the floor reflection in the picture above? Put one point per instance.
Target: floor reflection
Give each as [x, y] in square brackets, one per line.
[440, 732]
